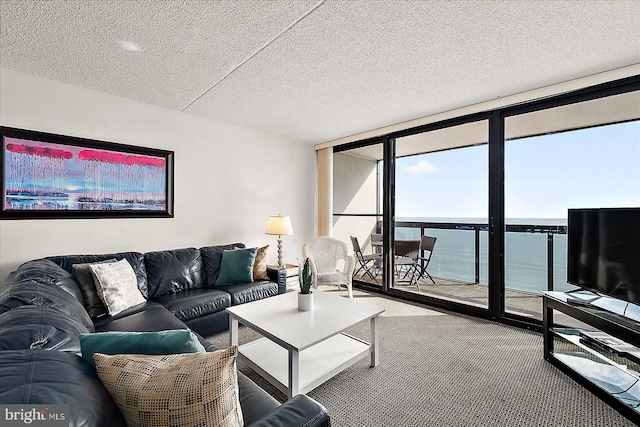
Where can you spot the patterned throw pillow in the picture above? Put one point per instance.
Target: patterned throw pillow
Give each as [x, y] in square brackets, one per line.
[117, 285]
[260, 264]
[82, 274]
[179, 390]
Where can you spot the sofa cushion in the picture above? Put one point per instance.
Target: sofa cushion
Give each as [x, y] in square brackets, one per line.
[31, 292]
[212, 258]
[136, 260]
[247, 292]
[48, 273]
[152, 318]
[116, 285]
[147, 305]
[236, 266]
[174, 271]
[255, 403]
[84, 278]
[210, 324]
[39, 327]
[147, 317]
[160, 342]
[188, 305]
[178, 389]
[56, 377]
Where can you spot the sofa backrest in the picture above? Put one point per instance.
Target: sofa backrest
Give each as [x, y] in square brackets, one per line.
[158, 273]
[32, 292]
[43, 327]
[136, 259]
[212, 258]
[48, 273]
[173, 271]
[41, 307]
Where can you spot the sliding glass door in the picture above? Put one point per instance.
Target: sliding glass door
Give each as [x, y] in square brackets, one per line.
[441, 207]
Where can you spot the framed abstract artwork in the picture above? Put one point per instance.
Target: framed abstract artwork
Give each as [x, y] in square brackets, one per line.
[55, 176]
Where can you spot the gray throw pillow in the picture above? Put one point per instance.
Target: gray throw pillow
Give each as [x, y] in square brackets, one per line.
[84, 278]
[117, 286]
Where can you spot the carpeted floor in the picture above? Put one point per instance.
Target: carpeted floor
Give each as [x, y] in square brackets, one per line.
[440, 369]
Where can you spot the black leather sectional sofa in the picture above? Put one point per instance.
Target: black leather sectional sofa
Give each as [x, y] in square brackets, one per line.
[42, 315]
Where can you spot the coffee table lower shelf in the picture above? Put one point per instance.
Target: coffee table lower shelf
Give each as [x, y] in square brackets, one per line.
[317, 363]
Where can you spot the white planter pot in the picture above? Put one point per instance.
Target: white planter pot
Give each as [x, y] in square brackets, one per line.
[305, 301]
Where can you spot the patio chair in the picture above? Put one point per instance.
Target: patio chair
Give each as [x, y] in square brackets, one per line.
[324, 253]
[376, 243]
[427, 245]
[365, 260]
[406, 260]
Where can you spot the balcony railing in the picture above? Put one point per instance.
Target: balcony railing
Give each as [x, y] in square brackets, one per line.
[548, 261]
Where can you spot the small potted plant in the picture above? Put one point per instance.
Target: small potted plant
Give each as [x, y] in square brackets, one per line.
[305, 296]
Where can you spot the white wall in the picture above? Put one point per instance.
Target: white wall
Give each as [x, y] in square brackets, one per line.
[228, 180]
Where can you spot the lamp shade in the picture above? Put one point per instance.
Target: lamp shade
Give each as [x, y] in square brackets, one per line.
[279, 225]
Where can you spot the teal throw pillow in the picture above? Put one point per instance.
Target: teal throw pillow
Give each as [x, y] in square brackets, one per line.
[237, 266]
[162, 342]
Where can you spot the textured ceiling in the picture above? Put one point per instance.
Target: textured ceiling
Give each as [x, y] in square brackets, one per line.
[317, 70]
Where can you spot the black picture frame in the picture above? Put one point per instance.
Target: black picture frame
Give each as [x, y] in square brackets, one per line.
[49, 176]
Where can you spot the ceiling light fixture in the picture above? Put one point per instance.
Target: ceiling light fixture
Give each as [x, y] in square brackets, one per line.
[130, 46]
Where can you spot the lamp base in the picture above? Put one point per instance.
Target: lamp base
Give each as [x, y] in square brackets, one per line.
[280, 263]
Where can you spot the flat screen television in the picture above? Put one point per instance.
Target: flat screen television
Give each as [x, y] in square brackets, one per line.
[603, 251]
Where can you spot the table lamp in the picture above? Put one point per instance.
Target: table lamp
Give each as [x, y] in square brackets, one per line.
[279, 225]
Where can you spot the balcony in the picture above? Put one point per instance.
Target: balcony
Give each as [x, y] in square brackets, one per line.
[535, 260]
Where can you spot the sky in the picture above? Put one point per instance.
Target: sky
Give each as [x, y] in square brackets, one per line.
[544, 176]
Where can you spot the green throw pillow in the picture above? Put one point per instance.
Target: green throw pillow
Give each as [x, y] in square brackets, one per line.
[162, 342]
[237, 266]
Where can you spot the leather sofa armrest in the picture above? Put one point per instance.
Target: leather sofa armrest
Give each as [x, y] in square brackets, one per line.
[300, 410]
[280, 277]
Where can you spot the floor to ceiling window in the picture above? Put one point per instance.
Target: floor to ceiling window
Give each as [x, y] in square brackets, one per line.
[581, 155]
[441, 191]
[493, 189]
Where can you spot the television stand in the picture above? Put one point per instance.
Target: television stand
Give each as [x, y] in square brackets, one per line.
[604, 355]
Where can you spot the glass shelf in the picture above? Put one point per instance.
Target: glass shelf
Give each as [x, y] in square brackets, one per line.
[604, 353]
[615, 374]
[616, 317]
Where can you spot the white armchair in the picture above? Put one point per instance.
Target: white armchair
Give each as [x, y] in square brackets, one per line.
[324, 253]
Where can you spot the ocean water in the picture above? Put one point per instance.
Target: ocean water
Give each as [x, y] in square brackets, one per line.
[525, 253]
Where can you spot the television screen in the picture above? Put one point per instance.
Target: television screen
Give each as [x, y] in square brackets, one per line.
[603, 251]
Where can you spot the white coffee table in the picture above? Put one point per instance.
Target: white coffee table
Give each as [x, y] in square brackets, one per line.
[302, 349]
